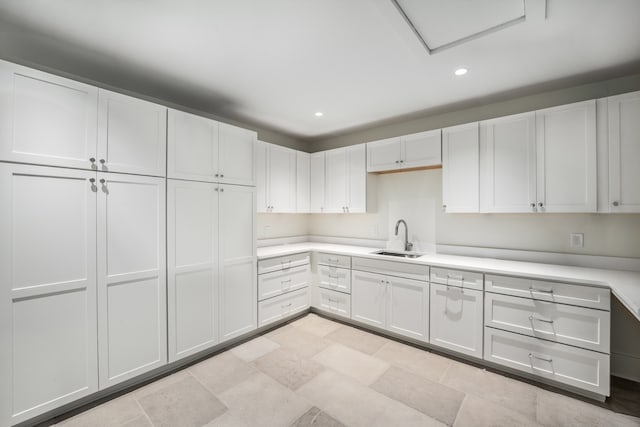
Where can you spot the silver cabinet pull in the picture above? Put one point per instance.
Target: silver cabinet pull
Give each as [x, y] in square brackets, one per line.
[103, 181]
[455, 277]
[217, 189]
[541, 291]
[531, 319]
[286, 305]
[221, 176]
[401, 161]
[540, 204]
[103, 161]
[332, 260]
[546, 359]
[616, 203]
[217, 175]
[533, 205]
[92, 159]
[92, 180]
[222, 190]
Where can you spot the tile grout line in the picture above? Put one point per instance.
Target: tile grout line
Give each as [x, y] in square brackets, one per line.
[144, 413]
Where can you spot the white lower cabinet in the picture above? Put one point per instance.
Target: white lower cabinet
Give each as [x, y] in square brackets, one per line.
[456, 319]
[283, 281]
[132, 322]
[48, 337]
[276, 308]
[238, 269]
[192, 271]
[397, 304]
[369, 297]
[568, 324]
[577, 367]
[334, 278]
[334, 302]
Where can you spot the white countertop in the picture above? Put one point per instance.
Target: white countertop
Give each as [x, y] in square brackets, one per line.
[625, 285]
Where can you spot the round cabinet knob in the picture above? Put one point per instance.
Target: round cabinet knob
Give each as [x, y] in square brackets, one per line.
[217, 175]
[102, 181]
[533, 205]
[103, 161]
[222, 190]
[92, 159]
[397, 161]
[541, 204]
[401, 161]
[92, 180]
[221, 176]
[444, 207]
[616, 203]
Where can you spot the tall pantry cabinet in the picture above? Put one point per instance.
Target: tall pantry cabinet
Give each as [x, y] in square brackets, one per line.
[83, 238]
[212, 277]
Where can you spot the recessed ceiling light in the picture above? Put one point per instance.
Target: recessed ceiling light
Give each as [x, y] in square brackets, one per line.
[319, 114]
[461, 71]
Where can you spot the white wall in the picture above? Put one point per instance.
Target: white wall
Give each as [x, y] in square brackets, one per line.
[417, 198]
[273, 225]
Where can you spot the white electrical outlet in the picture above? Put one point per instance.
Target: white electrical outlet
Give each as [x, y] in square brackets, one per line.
[576, 240]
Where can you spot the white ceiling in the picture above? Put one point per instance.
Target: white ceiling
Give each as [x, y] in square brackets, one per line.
[277, 62]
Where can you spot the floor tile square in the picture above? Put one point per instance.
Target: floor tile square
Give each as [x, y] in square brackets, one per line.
[350, 362]
[222, 372]
[364, 342]
[255, 348]
[288, 369]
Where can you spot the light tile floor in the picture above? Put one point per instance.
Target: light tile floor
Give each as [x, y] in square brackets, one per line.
[316, 372]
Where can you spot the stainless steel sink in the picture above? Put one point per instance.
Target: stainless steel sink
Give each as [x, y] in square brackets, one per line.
[398, 254]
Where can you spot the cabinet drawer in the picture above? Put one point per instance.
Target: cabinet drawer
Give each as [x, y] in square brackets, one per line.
[335, 278]
[334, 260]
[564, 293]
[276, 308]
[578, 326]
[584, 369]
[456, 319]
[282, 262]
[334, 302]
[279, 282]
[461, 278]
[392, 268]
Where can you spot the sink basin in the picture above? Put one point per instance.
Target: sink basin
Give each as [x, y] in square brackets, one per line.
[398, 254]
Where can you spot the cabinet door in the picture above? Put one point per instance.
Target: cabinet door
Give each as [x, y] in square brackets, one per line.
[282, 178]
[422, 149]
[132, 322]
[238, 263]
[624, 153]
[408, 307]
[48, 338]
[192, 146]
[368, 298]
[566, 158]
[192, 275]
[335, 190]
[46, 119]
[262, 178]
[384, 155]
[356, 179]
[460, 168]
[508, 164]
[456, 319]
[302, 181]
[236, 155]
[316, 182]
[132, 135]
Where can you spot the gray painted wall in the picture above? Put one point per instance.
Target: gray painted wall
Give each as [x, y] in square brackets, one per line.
[480, 111]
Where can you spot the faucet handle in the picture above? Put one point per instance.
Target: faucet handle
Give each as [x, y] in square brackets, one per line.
[409, 247]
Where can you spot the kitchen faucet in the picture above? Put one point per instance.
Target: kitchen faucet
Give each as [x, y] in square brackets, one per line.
[408, 246]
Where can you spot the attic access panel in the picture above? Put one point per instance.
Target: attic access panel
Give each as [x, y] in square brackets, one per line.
[441, 24]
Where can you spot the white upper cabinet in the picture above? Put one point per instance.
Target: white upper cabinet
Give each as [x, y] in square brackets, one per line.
[345, 188]
[276, 172]
[302, 181]
[384, 154]
[460, 168]
[132, 135]
[566, 158]
[192, 270]
[335, 189]
[45, 119]
[624, 153]
[316, 182]
[192, 147]
[132, 309]
[236, 155]
[508, 164]
[48, 339]
[417, 150]
[202, 149]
